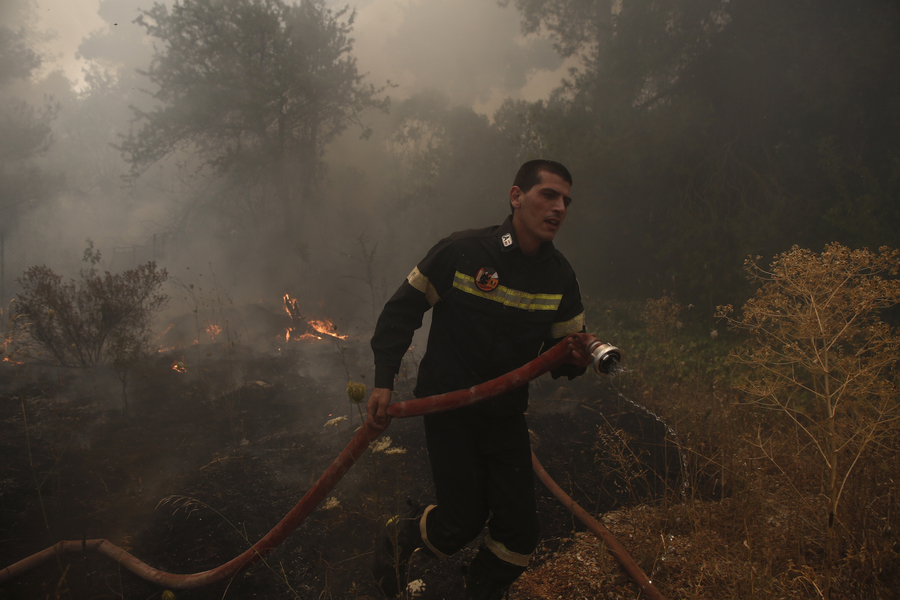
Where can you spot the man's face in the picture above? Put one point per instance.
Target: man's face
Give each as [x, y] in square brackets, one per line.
[540, 212]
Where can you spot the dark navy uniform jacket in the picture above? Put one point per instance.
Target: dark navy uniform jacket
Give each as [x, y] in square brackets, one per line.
[494, 310]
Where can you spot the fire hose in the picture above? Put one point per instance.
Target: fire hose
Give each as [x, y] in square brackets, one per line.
[604, 356]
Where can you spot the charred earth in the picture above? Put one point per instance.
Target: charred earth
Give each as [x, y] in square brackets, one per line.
[221, 442]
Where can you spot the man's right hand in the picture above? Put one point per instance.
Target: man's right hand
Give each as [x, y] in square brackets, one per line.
[376, 409]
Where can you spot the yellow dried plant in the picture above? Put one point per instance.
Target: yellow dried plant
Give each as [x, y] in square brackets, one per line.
[820, 353]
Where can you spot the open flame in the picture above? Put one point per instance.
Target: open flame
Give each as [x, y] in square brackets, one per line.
[7, 359]
[312, 328]
[177, 346]
[179, 365]
[292, 308]
[6, 353]
[325, 327]
[213, 331]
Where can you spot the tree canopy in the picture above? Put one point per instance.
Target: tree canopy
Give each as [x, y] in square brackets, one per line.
[17, 59]
[25, 131]
[256, 87]
[708, 131]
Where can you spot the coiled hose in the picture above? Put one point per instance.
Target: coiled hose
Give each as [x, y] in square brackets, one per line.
[361, 440]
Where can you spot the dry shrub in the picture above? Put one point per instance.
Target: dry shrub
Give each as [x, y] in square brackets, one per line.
[676, 369]
[84, 323]
[765, 535]
[820, 358]
[15, 343]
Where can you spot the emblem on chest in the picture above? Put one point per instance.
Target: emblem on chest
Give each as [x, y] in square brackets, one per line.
[487, 279]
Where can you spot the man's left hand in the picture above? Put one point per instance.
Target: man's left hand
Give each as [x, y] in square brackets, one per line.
[578, 349]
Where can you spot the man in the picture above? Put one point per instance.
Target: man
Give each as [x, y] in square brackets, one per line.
[500, 295]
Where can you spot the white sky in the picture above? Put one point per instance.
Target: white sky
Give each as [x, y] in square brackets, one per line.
[470, 49]
[70, 20]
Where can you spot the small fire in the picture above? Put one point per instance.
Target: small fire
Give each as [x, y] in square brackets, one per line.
[177, 346]
[326, 327]
[160, 336]
[213, 331]
[7, 354]
[179, 365]
[292, 307]
[314, 328]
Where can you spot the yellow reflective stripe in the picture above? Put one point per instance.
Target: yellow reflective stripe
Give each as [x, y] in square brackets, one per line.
[424, 532]
[418, 280]
[558, 330]
[505, 554]
[508, 296]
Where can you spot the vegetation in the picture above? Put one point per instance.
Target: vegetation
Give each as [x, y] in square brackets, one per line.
[256, 88]
[791, 419]
[15, 343]
[820, 355]
[785, 426]
[25, 131]
[699, 132]
[99, 319]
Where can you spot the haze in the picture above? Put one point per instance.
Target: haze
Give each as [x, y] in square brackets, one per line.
[693, 145]
[289, 162]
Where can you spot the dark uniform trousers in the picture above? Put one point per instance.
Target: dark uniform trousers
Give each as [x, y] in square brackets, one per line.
[479, 461]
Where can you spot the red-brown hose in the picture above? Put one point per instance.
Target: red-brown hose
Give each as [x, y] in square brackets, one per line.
[288, 524]
[346, 459]
[614, 547]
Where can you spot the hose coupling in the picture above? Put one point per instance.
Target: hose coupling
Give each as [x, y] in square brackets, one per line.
[606, 356]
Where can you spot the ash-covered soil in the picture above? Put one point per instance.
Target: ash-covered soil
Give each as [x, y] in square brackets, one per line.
[208, 460]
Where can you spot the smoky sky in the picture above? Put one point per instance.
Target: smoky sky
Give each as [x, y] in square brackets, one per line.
[465, 48]
[470, 50]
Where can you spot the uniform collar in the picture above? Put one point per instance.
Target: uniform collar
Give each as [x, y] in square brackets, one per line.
[506, 237]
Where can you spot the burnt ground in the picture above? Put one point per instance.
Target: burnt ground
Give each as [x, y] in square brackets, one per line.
[209, 460]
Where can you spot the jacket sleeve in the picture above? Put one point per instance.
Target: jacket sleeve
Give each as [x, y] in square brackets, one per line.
[402, 315]
[399, 319]
[569, 319]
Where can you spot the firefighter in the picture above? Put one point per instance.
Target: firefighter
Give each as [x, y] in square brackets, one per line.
[499, 296]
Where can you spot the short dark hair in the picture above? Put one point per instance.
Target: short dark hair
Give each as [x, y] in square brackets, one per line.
[529, 174]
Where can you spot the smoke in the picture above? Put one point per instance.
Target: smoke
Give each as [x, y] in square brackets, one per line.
[470, 50]
[354, 246]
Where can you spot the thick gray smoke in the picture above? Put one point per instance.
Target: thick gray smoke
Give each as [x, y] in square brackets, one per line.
[356, 239]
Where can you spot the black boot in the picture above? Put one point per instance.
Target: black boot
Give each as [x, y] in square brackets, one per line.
[488, 577]
[400, 538]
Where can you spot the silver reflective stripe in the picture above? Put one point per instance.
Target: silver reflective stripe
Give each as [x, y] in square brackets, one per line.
[424, 531]
[558, 330]
[508, 296]
[421, 283]
[504, 554]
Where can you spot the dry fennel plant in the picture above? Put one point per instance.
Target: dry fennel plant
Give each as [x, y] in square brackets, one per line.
[820, 354]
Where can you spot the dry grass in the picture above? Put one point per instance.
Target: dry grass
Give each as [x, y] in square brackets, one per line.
[753, 521]
[740, 548]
